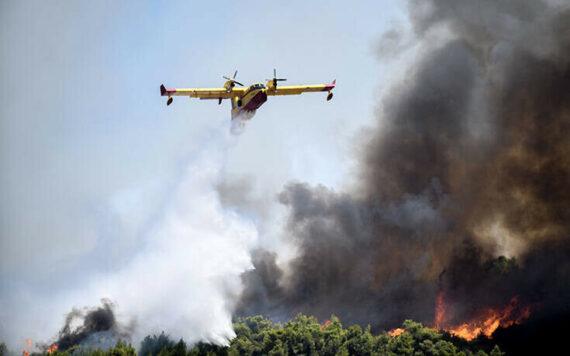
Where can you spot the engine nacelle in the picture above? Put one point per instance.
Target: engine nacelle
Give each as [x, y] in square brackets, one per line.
[330, 96]
[229, 85]
[271, 84]
[169, 100]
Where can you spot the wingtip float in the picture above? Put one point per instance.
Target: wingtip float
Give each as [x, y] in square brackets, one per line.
[246, 99]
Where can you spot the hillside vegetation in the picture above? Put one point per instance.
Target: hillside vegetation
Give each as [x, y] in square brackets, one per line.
[303, 335]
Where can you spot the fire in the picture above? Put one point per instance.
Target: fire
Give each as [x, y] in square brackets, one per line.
[485, 323]
[29, 344]
[439, 311]
[52, 348]
[396, 332]
[326, 324]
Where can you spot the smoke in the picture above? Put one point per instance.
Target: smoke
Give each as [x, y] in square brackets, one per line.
[239, 121]
[469, 162]
[184, 279]
[96, 327]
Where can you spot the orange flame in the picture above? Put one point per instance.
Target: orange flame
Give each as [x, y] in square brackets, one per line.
[396, 332]
[439, 311]
[27, 347]
[485, 323]
[52, 348]
[326, 324]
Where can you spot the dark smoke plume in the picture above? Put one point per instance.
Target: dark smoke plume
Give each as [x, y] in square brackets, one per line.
[98, 328]
[470, 161]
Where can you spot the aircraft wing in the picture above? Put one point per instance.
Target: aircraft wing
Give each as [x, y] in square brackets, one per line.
[202, 93]
[299, 89]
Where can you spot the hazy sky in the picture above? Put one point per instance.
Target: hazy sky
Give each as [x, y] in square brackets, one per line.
[90, 156]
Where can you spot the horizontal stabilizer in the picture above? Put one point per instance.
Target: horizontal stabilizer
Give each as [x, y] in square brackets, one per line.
[166, 91]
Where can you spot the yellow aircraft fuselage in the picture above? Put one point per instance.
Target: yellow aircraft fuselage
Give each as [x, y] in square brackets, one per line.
[246, 99]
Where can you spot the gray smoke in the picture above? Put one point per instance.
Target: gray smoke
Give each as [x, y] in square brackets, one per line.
[470, 161]
[92, 328]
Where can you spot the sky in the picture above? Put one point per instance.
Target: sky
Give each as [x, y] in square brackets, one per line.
[93, 163]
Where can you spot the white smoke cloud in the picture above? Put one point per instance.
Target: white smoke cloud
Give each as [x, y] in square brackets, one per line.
[239, 121]
[183, 281]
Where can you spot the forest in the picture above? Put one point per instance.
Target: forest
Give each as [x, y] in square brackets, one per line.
[303, 335]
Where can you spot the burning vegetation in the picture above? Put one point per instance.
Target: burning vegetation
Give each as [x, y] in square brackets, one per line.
[302, 335]
[90, 328]
[486, 322]
[460, 219]
[52, 348]
[463, 199]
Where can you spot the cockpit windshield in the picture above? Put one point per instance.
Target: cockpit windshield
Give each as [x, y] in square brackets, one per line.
[255, 87]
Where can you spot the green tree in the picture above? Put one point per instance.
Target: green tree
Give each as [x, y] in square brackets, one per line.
[445, 348]
[303, 335]
[300, 335]
[278, 349]
[152, 345]
[333, 336]
[204, 349]
[402, 344]
[497, 351]
[358, 341]
[121, 349]
[178, 349]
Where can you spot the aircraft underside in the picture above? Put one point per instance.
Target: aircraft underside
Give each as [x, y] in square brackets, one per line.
[248, 108]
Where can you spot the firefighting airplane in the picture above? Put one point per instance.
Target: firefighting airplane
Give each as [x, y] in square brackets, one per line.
[245, 100]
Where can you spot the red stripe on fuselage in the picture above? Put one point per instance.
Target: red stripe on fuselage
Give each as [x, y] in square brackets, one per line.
[255, 102]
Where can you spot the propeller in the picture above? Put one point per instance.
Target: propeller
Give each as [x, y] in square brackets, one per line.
[275, 79]
[233, 79]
